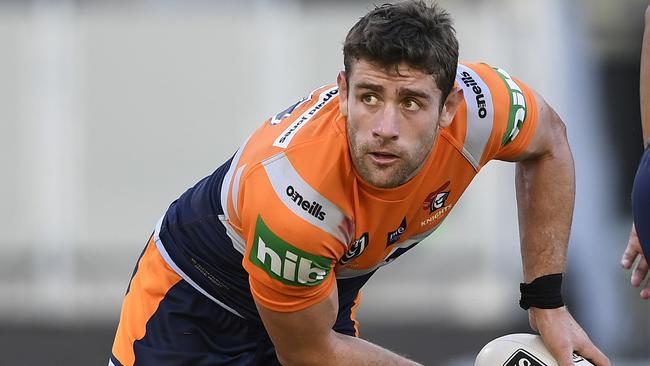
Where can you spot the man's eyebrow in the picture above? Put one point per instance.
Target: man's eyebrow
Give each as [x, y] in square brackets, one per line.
[408, 92]
[403, 92]
[370, 86]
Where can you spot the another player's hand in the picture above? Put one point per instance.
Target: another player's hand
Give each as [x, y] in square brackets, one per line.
[563, 336]
[640, 272]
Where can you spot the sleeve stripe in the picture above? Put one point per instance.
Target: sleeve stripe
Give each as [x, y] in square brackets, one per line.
[480, 114]
[225, 185]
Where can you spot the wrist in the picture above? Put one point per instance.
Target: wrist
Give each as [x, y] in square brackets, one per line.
[544, 292]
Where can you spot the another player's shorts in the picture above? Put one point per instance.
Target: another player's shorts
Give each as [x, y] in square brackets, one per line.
[165, 321]
[641, 202]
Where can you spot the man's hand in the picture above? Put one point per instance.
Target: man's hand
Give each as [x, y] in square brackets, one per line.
[640, 272]
[563, 336]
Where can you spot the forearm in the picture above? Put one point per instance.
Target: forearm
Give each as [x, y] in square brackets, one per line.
[545, 198]
[306, 337]
[340, 349]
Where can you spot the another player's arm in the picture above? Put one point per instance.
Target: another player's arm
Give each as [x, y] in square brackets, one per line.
[306, 337]
[633, 249]
[545, 184]
[644, 91]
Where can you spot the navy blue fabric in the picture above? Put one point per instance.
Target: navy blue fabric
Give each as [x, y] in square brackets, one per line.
[641, 202]
[135, 269]
[115, 361]
[190, 329]
[348, 290]
[197, 242]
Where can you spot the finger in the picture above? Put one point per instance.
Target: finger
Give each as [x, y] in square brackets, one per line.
[562, 352]
[632, 250]
[645, 292]
[639, 272]
[593, 354]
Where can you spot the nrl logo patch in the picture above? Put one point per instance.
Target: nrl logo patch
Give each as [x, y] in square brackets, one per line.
[355, 250]
[436, 199]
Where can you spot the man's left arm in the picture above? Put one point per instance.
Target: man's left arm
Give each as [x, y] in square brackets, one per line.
[545, 184]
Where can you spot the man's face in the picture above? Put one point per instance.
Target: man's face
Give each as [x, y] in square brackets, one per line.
[392, 120]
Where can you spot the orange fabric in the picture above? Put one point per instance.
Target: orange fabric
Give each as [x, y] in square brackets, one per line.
[314, 154]
[148, 287]
[353, 313]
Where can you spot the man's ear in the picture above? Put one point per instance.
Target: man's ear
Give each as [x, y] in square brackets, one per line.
[343, 93]
[450, 107]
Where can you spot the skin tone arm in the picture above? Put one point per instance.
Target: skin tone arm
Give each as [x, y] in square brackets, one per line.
[306, 338]
[633, 250]
[545, 184]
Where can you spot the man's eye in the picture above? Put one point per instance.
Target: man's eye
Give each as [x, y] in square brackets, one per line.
[369, 99]
[411, 105]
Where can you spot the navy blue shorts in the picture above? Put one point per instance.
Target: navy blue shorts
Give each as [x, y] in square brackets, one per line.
[641, 202]
[165, 321]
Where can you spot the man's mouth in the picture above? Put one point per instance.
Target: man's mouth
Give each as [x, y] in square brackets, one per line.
[383, 157]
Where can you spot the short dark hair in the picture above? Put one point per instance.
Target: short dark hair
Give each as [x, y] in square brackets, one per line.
[413, 32]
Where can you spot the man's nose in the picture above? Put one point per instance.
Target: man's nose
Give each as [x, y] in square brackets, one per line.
[387, 125]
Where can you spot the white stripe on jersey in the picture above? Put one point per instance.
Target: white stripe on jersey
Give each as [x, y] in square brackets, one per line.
[234, 193]
[303, 200]
[225, 185]
[480, 113]
[237, 242]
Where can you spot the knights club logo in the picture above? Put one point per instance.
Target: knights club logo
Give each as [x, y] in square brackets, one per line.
[436, 199]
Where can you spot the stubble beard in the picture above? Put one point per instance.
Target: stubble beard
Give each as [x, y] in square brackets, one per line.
[397, 173]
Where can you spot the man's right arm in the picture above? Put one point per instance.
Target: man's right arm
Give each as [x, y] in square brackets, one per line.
[306, 337]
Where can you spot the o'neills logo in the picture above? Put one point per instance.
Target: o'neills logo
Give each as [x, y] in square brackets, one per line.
[469, 82]
[436, 199]
[313, 208]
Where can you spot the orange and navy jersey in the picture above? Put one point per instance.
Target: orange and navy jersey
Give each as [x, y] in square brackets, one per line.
[287, 218]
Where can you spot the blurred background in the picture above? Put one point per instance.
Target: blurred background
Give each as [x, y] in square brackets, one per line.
[109, 110]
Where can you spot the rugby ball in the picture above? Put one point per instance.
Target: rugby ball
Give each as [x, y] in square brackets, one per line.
[520, 349]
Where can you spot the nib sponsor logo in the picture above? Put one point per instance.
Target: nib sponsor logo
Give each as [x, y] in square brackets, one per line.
[313, 208]
[395, 235]
[285, 262]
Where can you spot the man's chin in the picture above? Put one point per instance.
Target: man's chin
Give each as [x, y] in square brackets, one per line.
[383, 181]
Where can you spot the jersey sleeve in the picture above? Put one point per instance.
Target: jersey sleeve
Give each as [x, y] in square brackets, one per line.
[293, 238]
[500, 114]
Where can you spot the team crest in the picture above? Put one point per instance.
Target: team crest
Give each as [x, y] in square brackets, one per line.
[436, 199]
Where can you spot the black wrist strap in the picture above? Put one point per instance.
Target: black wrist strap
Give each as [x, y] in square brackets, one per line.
[543, 292]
